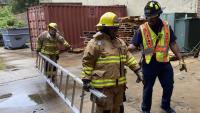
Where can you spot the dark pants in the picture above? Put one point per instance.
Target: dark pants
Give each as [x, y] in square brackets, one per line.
[164, 72]
[50, 69]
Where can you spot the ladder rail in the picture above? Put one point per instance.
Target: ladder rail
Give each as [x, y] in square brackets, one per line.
[43, 61]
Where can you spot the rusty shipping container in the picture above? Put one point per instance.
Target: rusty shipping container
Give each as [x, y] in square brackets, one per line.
[72, 20]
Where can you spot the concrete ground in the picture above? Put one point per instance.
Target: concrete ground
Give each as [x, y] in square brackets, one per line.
[23, 90]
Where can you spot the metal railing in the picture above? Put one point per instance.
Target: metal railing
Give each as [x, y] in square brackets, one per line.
[65, 84]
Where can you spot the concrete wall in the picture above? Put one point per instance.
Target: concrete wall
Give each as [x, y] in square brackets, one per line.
[135, 7]
[198, 9]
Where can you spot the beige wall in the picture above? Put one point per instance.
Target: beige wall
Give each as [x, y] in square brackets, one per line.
[135, 7]
[198, 9]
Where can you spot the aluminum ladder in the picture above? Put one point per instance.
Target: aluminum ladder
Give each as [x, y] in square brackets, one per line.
[66, 82]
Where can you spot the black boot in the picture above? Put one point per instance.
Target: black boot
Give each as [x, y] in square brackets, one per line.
[169, 110]
[145, 112]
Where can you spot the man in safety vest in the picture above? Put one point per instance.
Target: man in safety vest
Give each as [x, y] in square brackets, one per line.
[103, 64]
[156, 38]
[47, 44]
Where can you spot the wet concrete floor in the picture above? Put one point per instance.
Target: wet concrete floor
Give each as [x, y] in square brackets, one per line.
[22, 90]
[31, 95]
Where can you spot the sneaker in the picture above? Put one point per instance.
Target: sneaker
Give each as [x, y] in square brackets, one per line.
[169, 110]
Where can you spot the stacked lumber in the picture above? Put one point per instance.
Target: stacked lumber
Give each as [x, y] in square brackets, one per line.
[127, 29]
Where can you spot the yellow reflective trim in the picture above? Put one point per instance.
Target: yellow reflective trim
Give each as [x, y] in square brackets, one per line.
[122, 78]
[50, 45]
[87, 72]
[102, 85]
[132, 61]
[109, 61]
[151, 4]
[83, 73]
[122, 82]
[82, 76]
[65, 43]
[107, 82]
[49, 53]
[88, 68]
[110, 57]
[157, 7]
[103, 81]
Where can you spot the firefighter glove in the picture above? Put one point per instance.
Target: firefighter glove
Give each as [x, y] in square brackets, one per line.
[182, 65]
[139, 76]
[86, 84]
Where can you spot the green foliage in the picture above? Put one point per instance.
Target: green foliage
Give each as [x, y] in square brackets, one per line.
[8, 20]
[19, 6]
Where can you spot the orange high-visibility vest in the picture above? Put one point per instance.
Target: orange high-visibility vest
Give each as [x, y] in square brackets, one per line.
[149, 42]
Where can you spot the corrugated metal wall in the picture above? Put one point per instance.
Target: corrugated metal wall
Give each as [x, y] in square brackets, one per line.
[71, 19]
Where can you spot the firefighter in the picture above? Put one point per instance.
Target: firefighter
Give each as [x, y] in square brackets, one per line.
[156, 38]
[47, 44]
[103, 64]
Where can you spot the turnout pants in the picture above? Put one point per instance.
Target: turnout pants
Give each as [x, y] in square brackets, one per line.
[114, 99]
[49, 69]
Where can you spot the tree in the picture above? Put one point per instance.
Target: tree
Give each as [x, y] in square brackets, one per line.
[19, 6]
[8, 20]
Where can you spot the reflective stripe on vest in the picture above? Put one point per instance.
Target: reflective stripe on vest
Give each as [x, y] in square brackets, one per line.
[100, 83]
[149, 42]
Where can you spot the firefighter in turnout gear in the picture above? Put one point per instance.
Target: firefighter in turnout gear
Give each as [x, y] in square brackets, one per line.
[156, 38]
[47, 44]
[103, 64]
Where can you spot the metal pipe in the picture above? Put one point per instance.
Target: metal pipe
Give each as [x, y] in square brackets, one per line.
[39, 61]
[93, 106]
[73, 93]
[61, 77]
[82, 98]
[66, 85]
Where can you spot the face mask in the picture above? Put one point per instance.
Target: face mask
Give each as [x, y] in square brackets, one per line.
[52, 32]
